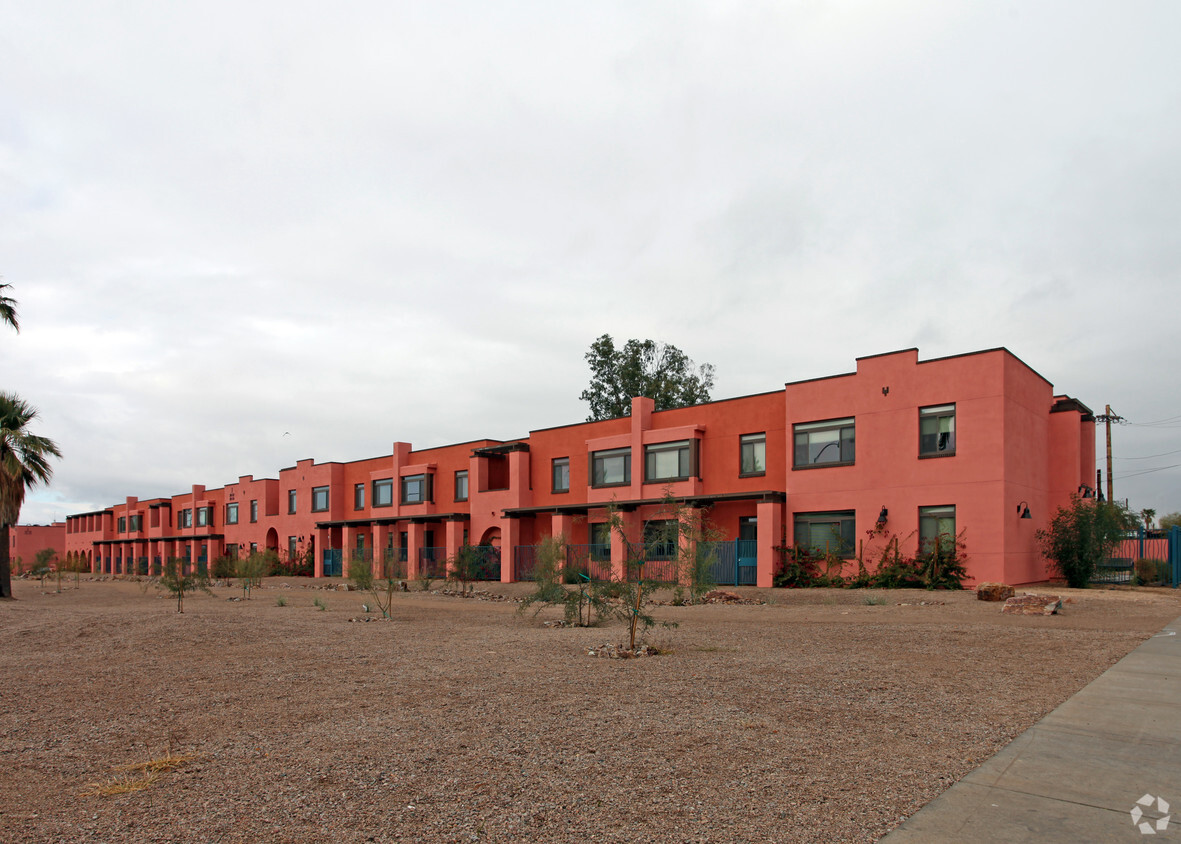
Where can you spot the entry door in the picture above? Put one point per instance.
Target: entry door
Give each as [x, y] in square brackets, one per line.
[748, 550]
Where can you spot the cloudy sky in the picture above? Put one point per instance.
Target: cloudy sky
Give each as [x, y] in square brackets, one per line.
[363, 222]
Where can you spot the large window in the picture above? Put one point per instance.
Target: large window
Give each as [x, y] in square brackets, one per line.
[612, 467]
[122, 524]
[383, 492]
[319, 499]
[231, 514]
[661, 537]
[461, 485]
[561, 474]
[936, 524]
[937, 430]
[752, 454]
[668, 461]
[828, 443]
[204, 516]
[359, 496]
[254, 510]
[291, 500]
[416, 489]
[600, 540]
[184, 518]
[135, 523]
[826, 533]
[292, 548]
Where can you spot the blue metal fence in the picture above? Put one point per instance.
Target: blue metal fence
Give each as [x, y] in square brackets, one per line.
[1140, 544]
[734, 561]
[333, 562]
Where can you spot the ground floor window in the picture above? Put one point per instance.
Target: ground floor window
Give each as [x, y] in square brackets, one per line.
[826, 533]
[936, 524]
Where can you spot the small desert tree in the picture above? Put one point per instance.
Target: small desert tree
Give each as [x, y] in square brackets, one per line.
[251, 569]
[380, 587]
[466, 566]
[1082, 535]
[177, 582]
[41, 565]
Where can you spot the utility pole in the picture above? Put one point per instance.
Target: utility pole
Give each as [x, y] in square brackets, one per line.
[1108, 417]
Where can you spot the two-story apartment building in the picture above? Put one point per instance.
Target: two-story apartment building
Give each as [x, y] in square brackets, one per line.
[965, 443]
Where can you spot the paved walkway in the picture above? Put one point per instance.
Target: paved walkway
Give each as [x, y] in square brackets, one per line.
[1076, 774]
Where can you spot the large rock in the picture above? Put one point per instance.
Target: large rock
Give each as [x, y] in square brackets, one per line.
[994, 592]
[1033, 605]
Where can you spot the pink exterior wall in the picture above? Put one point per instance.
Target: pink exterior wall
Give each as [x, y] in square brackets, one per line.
[1015, 442]
[24, 541]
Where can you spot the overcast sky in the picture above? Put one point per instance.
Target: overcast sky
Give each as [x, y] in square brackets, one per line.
[380, 221]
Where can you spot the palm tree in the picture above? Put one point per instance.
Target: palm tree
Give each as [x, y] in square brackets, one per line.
[8, 308]
[1148, 514]
[24, 463]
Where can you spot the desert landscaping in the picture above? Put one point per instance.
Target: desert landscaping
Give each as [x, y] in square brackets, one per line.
[817, 715]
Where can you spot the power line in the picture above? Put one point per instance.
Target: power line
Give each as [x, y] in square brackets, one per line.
[1150, 456]
[1148, 471]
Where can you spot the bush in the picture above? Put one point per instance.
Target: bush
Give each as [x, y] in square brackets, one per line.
[1151, 572]
[1082, 535]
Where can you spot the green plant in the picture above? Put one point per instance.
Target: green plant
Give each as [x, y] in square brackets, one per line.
[424, 579]
[1150, 572]
[178, 582]
[281, 601]
[318, 604]
[659, 371]
[251, 569]
[225, 568]
[382, 587]
[466, 566]
[875, 601]
[1082, 535]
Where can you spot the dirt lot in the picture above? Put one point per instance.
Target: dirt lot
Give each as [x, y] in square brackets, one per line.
[815, 717]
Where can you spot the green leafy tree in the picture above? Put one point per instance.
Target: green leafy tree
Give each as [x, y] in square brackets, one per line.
[1170, 520]
[24, 463]
[1148, 514]
[381, 586]
[658, 371]
[251, 569]
[42, 565]
[178, 583]
[1082, 535]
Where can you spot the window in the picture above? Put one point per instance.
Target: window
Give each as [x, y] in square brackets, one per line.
[936, 524]
[827, 443]
[668, 461]
[937, 431]
[291, 501]
[826, 533]
[319, 499]
[359, 496]
[611, 468]
[122, 524]
[135, 523]
[292, 547]
[600, 541]
[253, 547]
[185, 518]
[560, 473]
[661, 538]
[383, 492]
[204, 516]
[231, 514]
[752, 454]
[254, 510]
[416, 489]
[461, 486]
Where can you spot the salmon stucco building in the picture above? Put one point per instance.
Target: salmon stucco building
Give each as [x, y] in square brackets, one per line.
[977, 444]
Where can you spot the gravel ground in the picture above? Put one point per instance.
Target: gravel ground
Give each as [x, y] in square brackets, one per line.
[815, 717]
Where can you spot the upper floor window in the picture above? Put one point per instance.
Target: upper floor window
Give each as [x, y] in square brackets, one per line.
[752, 454]
[461, 485]
[561, 474]
[668, 461]
[828, 443]
[937, 525]
[826, 533]
[383, 492]
[254, 510]
[937, 430]
[231, 514]
[291, 499]
[135, 523]
[359, 496]
[319, 499]
[416, 489]
[184, 518]
[204, 516]
[122, 524]
[612, 467]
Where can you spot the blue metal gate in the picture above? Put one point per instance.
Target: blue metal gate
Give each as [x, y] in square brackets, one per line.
[735, 562]
[333, 562]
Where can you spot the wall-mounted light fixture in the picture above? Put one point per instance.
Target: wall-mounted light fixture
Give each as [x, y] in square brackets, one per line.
[1023, 510]
[882, 515]
[1086, 491]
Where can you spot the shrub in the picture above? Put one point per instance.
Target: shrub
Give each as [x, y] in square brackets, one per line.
[1150, 572]
[1082, 535]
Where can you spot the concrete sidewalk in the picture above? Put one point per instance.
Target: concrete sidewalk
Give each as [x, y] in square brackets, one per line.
[1076, 774]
